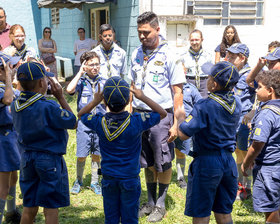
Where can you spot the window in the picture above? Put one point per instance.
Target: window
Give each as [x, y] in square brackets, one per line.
[55, 16]
[225, 12]
[98, 17]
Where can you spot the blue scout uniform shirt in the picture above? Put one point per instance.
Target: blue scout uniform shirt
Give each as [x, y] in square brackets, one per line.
[155, 75]
[113, 62]
[266, 128]
[86, 88]
[191, 96]
[5, 111]
[193, 64]
[120, 137]
[245, 93]
[213, 122]
[41, 123]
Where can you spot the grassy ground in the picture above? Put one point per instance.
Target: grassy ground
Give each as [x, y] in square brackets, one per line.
[87, 208]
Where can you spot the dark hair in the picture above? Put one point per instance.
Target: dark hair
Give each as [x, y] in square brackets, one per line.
[116, 108]
[47, 28]
[270, 78]
[148, 17]
[105, 27]
[28, 85]
[196, 31]
[274, 44]
[225, 44]
[81, 28]
[3, 11]
[89, 55]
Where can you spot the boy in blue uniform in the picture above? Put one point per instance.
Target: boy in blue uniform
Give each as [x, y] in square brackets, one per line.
[190, 96]
[9, 153]
[212, 177]
[264, 149]
[120, 144]
[85, 83]
[42, 139]
[238, 55]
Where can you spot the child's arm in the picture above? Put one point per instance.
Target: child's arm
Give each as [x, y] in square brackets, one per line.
[251, 155]
[181, 116]
[253, 73]
[9, 94]
[98, 97]
[72, 85]
[138, 93]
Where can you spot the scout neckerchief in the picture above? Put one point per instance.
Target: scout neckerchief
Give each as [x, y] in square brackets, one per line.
[26, 99]
[272, 105]
[93, 82]
[147, 59]
[245, 69]
[107, 55]
[113, 131]
[196, 56]
[227, 101]
[21, 52]
[2, 84]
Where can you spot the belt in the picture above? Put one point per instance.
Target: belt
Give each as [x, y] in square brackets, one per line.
[168, 110]
[200, 77]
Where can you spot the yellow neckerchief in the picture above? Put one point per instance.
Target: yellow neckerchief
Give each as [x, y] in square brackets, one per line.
[2, 84]
[223, 103]
[116, 133]
[274, 108]
[196, 56]
[107, 54]
[19, 107]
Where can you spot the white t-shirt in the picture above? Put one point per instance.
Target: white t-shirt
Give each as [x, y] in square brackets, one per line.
[81, 46]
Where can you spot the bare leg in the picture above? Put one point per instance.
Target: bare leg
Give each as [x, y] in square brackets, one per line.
[223, 218]
[28, 215]
[204, 220]
[272, 217]
[51, 215]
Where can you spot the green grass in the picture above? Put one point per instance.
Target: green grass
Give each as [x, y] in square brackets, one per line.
[87, 208]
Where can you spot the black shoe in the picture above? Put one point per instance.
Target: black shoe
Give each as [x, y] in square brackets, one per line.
[145, 209]
[157, 214]
[13, 217]
[182, 183]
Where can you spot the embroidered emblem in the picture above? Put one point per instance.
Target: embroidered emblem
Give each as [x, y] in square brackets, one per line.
[64, 113]
[188, 119]
[159, 63]
[223, 103]
[89, 117]
[137, 60]
[257, 131]
[144, 116]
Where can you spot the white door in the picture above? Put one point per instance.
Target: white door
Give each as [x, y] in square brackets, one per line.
[177, 34]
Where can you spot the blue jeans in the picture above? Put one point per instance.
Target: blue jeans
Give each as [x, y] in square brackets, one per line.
[121, 199]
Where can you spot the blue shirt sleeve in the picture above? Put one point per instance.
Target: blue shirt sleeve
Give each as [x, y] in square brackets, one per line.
[149, 120]
[2, 92]
[194, 122]
[218, 48]
[90, 120]
[59, 118]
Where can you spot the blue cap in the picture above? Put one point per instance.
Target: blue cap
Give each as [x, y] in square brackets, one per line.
[239, 48]
[8, 58]
[116, 92]
[206, 68]
[273, 55]
[32, 71]
[225, 73]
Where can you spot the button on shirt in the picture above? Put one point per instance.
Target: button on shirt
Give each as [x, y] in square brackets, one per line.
[117, 61]
[163, 70]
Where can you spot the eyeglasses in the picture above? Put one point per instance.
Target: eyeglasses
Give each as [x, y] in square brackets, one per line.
[47, 31]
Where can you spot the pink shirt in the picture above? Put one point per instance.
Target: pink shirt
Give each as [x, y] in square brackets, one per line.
[5, 41]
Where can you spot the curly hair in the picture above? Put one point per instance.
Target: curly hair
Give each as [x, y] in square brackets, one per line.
[225, 44]
[270, 78]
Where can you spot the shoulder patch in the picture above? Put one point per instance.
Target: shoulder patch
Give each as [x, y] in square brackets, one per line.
[144, 116]
[188, 119]
[89, 117]
[64, 113]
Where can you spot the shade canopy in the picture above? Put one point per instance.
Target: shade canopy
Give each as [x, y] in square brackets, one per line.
[69, 4]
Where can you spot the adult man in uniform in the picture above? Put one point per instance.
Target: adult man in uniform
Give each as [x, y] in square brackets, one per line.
[112, 57]
[4, 30]
[155, 70]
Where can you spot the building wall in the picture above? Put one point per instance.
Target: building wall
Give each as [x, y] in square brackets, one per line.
[257, 37]
[29, 18]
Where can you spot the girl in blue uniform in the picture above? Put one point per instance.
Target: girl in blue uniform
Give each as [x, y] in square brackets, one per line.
[9, 153]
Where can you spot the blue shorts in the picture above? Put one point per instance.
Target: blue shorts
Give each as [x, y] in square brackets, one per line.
[183, 146]
[87, 141]
[44, 180]
[212, 185]
[266, 188]
[242, 137]
[9, 152]
[155, 149]
[121, 198]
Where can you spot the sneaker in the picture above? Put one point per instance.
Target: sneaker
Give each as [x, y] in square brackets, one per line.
[13, 217]
[243, 193]
[182, 183]
[96, 188]
[76, 188]
[157, 214]
[146, 209]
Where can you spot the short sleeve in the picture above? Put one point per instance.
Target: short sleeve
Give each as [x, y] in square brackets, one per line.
[176, 71]
[60, 118]
[75, 46]
[194, 122]
[90, 120]
[2, 92]
[149, 120]
[218, 48]
[262, 127]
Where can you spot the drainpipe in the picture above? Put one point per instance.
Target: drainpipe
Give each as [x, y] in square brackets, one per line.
[184, 7]
[152, 3]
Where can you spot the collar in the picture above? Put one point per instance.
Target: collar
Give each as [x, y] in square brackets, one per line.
[245, 69]
[225, 99]
[110, 50]
[194, 53]
[7, 28]
[26, 99]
